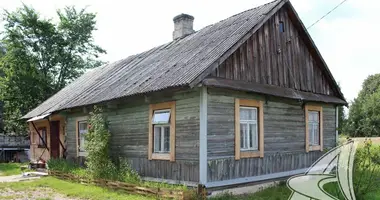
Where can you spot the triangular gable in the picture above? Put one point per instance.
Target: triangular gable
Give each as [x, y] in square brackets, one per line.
[287, 59]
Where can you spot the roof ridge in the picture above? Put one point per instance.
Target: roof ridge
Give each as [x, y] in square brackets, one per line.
[254, 8]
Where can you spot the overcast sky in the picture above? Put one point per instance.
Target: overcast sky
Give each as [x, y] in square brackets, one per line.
[348, 38]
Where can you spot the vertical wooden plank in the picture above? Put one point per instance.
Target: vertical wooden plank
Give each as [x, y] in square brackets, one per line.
[256, 57]
[281, 68]
[237, 129]
[236, 65]
[242, 66]
[306, 129]
[150, 132]
[267, 60]
[289, 44]
[250, 68]
[273, 50]
[262, 65]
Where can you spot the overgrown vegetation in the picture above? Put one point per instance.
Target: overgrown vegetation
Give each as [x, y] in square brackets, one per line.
[70, 189]
[98, 161]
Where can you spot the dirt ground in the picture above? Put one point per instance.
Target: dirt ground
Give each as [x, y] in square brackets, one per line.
[38, 194]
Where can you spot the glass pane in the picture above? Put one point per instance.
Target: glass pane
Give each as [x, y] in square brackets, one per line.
[157, 139]
[161, 117]
[167, 139]
[243, 135]
[254, 114]
[311, 133]
[254, 136]
[83, 126]
[248, 113]
[316, 134]
[244, 114]
[313, 116]
[82, 142]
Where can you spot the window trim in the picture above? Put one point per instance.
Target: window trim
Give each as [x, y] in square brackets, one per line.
[42, 146]
[79, 119]
[260, 121]
[162, 156]
[308, 147]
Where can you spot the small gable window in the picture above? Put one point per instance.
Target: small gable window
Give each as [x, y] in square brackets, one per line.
[282, 27]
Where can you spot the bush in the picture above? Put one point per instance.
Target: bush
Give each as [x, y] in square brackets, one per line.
[366, 169]
[366, 172]
[98, 160]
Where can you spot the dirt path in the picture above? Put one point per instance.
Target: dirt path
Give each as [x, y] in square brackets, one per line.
[15, 178]
[40, 193]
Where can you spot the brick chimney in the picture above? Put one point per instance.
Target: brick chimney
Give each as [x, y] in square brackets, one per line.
[183, 25]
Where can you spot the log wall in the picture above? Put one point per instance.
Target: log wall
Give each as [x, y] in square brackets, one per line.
[128, 124]
[284, 136]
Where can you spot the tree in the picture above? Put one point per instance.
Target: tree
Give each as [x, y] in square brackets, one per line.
[42, 57]
[364, 113]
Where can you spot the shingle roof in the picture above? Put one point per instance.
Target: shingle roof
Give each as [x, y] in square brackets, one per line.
[174, 64]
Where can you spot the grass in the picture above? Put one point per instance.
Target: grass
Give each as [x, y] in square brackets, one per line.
[7, 169]
[69, 189]
[279, 192]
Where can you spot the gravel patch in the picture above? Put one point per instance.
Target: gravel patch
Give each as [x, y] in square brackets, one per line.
[37, 193]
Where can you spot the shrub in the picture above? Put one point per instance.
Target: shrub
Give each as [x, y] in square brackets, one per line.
[366, 169]
[366, 172]
[98, 160]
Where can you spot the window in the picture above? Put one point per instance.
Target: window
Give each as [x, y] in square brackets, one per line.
[161, 126]
[314, 128]
[82, 128]
[282, 27]
[249, 129]
[43, 135]
[162, 131]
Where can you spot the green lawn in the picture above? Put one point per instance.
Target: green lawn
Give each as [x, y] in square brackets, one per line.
[54, 187]
[273, 193]
[7, 169]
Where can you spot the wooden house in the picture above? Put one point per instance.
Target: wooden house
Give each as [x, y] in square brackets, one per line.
[246, 99]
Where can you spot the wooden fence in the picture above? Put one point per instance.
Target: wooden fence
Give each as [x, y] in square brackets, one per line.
[131, 188]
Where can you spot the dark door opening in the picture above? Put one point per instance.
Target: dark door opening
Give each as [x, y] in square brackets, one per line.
[54, 139]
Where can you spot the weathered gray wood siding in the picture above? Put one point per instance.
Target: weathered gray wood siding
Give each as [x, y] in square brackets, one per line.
[284, 136]
[128, 124]
[277, 58]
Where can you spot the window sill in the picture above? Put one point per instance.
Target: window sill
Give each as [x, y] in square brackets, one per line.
[249, 154]
[160, 156]
[315, 148]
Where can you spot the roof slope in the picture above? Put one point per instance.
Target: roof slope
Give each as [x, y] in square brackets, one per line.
[174, 64]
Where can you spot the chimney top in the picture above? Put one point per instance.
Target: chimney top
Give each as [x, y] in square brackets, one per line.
[183, 25]
[182, 16]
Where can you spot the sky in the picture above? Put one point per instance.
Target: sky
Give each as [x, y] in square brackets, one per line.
[348, 38]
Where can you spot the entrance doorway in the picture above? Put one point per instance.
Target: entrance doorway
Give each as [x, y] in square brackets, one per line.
[54, 139]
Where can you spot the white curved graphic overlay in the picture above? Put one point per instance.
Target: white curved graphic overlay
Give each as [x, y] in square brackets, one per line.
[334, 166]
